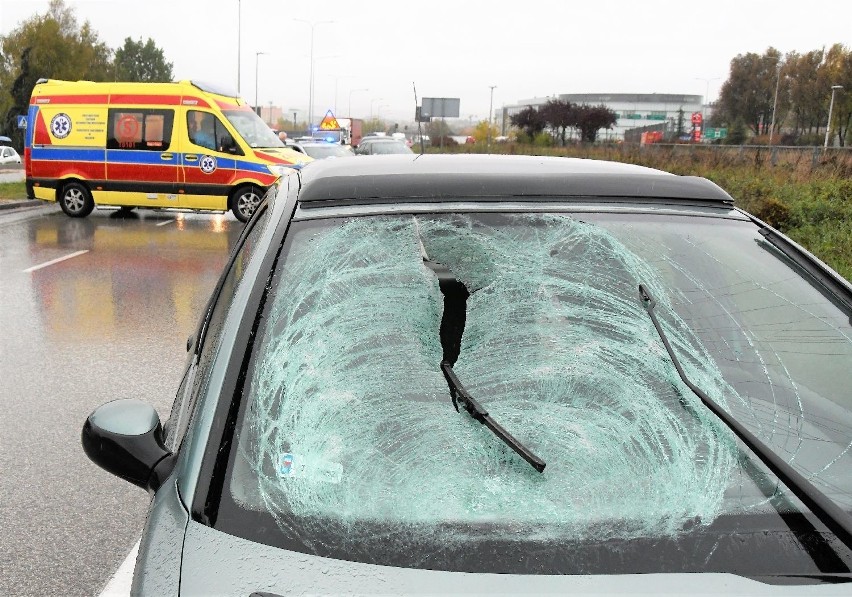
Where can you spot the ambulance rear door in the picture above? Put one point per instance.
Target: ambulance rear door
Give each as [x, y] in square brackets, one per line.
[142, 164]
[208, 160]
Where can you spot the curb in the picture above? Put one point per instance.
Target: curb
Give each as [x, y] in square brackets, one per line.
[23, 203]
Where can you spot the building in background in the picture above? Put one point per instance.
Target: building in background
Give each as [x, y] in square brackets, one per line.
[633, 110]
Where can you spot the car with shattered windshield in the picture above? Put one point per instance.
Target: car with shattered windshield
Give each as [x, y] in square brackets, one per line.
[501, 374]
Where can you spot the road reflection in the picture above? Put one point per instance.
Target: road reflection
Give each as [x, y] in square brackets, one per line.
[141, 275]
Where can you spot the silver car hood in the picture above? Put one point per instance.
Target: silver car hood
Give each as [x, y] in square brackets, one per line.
[215, 563]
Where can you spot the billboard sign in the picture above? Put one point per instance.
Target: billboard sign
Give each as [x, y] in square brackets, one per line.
[440, 107]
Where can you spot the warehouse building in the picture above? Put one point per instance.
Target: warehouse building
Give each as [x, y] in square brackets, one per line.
[634, 110]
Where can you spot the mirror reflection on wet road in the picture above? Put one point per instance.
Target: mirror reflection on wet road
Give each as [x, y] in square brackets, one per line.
[91, 310]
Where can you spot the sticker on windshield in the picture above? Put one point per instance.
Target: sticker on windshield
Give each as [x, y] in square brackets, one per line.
[208, 164]
[60, 125]
[296, 466]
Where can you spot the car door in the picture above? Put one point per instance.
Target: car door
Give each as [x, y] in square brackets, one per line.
[208, 163]
[141, 166]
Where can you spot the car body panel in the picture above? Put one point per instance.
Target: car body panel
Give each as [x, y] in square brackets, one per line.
[243, 567]
[159, 560]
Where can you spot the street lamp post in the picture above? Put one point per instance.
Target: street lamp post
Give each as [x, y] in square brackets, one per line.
[775, 102]
[257, 56]
[490, 111]
[830, 107]
[351, 91]
[313, 24]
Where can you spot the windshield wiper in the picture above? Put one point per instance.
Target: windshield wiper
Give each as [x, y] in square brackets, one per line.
[831, 515]
[460, 394]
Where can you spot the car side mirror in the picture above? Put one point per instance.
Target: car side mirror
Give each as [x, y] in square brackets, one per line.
[228, 145]
[125, 438]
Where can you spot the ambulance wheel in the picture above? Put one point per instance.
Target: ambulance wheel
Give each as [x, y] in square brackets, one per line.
[244, 201]
[76, 200]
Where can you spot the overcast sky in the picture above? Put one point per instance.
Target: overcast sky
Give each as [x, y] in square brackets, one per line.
[529, 48]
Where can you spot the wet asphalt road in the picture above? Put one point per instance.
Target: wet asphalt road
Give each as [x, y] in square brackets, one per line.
[108, 322]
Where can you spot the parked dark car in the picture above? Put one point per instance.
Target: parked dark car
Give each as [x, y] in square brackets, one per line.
[382, 146]
[494, 374]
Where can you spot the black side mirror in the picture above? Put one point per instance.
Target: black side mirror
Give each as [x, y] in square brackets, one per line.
[228, 145]
[125, 438]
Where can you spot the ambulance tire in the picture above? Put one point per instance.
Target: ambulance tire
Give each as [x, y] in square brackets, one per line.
[76, 200]
[244, 201]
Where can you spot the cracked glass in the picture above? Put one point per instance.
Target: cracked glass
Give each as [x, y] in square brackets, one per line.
[348, 443]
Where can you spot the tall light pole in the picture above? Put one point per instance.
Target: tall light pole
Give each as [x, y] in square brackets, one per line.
[313, 25]
[490, 112]
[830, 107]
[239, 18]
[257, 56]
[351, 91]
[775, 102]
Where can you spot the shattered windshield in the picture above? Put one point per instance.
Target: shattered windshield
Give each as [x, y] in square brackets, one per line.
[350, 446]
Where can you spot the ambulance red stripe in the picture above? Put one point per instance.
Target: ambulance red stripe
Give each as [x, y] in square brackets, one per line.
[118, 100]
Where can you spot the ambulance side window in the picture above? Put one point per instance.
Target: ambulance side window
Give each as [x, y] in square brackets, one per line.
[206, 130]
[146, 129]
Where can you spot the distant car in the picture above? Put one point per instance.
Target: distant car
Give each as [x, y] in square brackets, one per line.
[8, 155]
[433, 374]
[381, 146]
[321, 149]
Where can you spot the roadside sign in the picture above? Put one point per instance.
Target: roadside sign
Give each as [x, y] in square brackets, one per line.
[329, 123]
[715, 133]
[22, 121]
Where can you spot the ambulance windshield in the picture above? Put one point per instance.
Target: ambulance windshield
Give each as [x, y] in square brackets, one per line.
[251, 128]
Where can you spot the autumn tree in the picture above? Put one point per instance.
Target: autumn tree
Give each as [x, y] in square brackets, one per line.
[485, 130]
[52, 46]
[836, 69]
[142, 62]
[591, 119]
[749, 92]
[530, 121]
[560, 115]
[802, 88]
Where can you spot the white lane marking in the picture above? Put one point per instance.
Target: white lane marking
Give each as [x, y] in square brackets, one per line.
[164, 223]
[52, 261]
[121, 581]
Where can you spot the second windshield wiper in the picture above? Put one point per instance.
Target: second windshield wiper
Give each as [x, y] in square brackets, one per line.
[460, 394]
[831, 515]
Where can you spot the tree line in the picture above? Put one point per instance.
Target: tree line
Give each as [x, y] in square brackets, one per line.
[802, 84]
[54, 45]
[563, 119]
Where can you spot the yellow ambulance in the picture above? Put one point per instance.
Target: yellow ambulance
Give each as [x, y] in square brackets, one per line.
[183, 145]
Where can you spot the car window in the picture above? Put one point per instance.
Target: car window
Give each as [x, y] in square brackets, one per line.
[350, 447]
[197, 374]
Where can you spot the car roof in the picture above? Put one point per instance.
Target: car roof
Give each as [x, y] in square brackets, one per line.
[415, 177]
